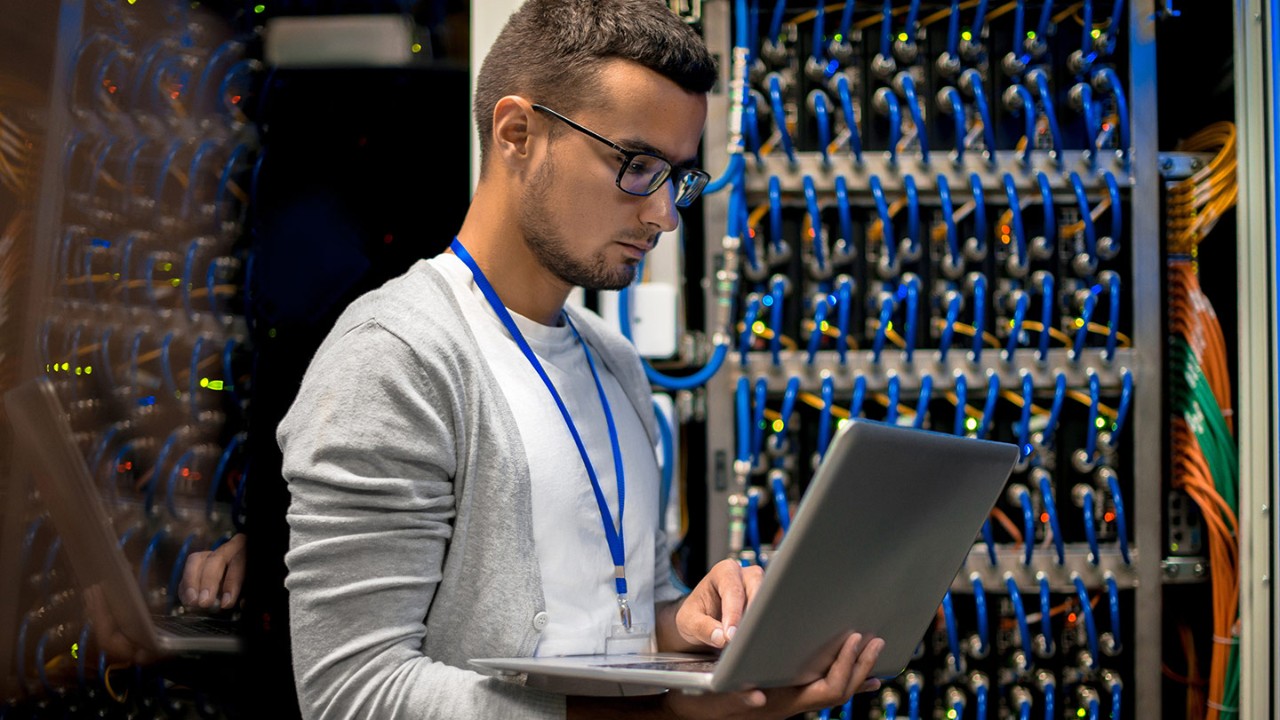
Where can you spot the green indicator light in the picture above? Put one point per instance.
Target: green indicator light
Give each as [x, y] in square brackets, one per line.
[970, 424]
[215, 384]
[204, 382]
[778, 425]
[75, 651]
[259, 9]
[966, 35]
[902, 37]
[1101, 423]
[1096, 34]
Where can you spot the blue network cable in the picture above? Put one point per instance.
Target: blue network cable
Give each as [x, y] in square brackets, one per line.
[953, 32]
[844, 301]
[955, 262]
[1050, 233]
[980, 700]
[775, 215]
[780, 503]
[1092, 124]
[819, 322]
[979, 215]
[753, 525]
[1049, 298]
[912, 285]
[1046, 103]
[913, 217]
[824, 420]
[1024, 633]
[889, 239]
[1113, 595]
[780, 117]
[1046, 624]
[815, 223]
[1049, 689]
[953, 634]
[748, 333]
[845, 215]
[886, 30]
[913, 697]
[990, 541]
[1055, 410]
[955, 106]
[1028, 525]
[895, 122]
[774, 301]
[1028, 112]
[916, 110]
[1090, 530]
[1086, 609]
[1091, 434]
[757, 418]
[780, 437]
[893, 391]
[1117, 218]
[989, 407]
[858, 397]
[1086, 216]
[1020, 236]
[980, 604]
[1113, 317]
[886, 316]
[948, 329]
[850, 117]
[742, 405]
[1122, 412]
[1015, 330]
[962, 384]
[1122, 526]
[979, 314]
[1106, 79]
[922, 404]
[823, 115]
[1082, 328]
[972, 81]
[1051, 509]
[688, 382]
[1024, 421]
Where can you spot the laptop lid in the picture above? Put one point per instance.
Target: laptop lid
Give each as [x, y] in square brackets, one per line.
[881, 531]
[103, 573]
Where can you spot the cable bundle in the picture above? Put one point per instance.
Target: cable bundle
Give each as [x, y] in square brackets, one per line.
[1196, 204]
[1205, 463]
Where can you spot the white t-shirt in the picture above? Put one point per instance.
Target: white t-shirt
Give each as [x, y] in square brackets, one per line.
[568, 532]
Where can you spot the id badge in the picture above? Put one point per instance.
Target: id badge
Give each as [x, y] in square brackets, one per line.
[624, 641]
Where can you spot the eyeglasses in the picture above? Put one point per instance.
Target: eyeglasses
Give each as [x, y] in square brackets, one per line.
[642, 173]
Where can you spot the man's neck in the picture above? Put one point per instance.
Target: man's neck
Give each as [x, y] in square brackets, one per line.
[521, 282]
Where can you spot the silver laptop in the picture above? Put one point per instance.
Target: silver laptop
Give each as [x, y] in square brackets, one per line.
[885, 524]
[102, 572]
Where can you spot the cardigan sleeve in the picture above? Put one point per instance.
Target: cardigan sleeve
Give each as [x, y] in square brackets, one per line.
[369, 457]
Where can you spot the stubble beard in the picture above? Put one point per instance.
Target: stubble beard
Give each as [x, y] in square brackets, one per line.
[553, 250]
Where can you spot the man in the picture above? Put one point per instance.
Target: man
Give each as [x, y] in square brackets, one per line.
[471, 461]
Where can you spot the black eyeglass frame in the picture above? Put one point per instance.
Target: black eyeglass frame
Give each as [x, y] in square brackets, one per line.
[693, 178]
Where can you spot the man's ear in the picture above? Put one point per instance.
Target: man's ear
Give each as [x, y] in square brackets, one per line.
[512, 121]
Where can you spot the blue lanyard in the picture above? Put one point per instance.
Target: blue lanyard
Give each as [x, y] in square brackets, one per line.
[613, 535]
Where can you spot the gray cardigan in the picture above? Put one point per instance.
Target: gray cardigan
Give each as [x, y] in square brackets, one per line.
[411, 536]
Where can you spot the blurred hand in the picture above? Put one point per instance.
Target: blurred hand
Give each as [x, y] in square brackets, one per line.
[212, 579]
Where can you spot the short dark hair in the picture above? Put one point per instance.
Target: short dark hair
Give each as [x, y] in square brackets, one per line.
[549, 50]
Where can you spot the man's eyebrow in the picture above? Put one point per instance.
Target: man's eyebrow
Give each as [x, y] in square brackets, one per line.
[642, 146]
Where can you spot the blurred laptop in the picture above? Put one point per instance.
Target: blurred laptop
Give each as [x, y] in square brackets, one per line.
[106, 579]
[885, 524]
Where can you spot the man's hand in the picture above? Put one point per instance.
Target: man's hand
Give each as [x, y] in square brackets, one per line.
[709, 616]
[847, 675]
[212, 579]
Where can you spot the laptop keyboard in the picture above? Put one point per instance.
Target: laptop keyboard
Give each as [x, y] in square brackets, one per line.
[196, 625]
[677, 665]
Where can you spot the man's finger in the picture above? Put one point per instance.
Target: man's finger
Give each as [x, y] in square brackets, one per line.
[189, 590]
[729, 586]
